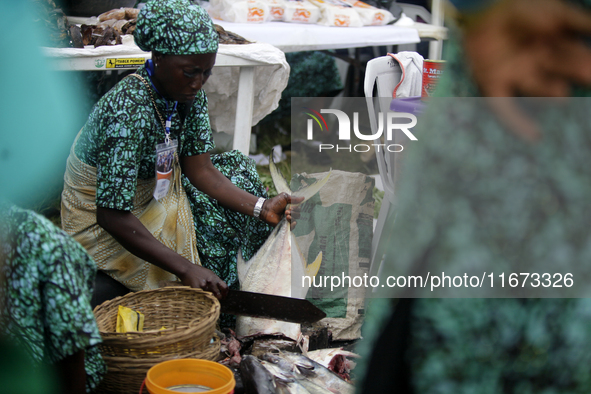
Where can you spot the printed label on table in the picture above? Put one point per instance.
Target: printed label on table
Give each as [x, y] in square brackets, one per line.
[129, 62]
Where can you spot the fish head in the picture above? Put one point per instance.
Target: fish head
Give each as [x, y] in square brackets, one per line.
[277, 372]
[279, 361]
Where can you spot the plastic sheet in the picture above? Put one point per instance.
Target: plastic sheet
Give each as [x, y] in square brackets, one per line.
[222, 87]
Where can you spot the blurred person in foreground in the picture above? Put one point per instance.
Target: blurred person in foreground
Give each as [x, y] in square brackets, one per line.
[48, 333]
[503, 190]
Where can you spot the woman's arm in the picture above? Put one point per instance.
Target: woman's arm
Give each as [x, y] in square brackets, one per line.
[205, 177]
[134, 237]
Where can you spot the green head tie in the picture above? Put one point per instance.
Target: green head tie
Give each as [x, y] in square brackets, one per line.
[175, 27]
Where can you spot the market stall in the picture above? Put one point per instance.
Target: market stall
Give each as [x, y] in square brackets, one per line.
[253, 75]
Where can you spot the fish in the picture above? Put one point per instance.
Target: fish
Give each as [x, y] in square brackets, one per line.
[280, 362]
[285, 381]
[266, 378]
[309, 372]
[289, 373]
[313, 388]
[292, 382]
[271, 269]
[256, 378]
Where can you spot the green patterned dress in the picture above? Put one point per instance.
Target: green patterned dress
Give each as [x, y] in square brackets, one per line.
[120, 139]
[47, 287]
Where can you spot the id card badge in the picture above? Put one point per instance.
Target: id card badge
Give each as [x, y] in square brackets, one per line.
[165, 156]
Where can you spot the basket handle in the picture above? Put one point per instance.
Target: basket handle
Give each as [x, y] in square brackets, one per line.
[142, 386]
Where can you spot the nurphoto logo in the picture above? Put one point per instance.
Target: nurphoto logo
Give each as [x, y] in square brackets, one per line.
[387, 123]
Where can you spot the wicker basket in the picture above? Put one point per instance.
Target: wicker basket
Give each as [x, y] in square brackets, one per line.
[189, 317]
[125, 375]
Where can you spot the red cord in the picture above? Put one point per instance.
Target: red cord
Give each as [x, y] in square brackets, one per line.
[142, 386]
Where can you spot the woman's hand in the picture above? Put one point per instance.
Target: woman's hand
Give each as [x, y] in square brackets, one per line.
[292, 214]
[205, 177]
[274, 209]
[200, 277]
[133, 236]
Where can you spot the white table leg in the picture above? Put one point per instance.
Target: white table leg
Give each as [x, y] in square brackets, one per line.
[244, 107]
[437, 11]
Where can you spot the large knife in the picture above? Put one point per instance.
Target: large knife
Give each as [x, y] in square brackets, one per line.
[294, 310]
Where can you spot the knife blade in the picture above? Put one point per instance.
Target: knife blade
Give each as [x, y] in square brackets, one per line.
[294, 310]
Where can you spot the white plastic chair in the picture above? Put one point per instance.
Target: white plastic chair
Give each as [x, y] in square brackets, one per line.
[414, 11]
[386, 73]
[435, 17]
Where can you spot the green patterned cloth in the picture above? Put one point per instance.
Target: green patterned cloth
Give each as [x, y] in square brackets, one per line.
[49, 280]
[120, 139]
[175, 27]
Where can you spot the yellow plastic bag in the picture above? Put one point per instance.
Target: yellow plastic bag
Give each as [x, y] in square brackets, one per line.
[129, 320]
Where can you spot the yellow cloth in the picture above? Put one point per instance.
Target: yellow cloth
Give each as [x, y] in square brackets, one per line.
[169, 220]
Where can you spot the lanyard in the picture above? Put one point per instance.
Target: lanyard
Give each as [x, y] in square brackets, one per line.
[150, 70]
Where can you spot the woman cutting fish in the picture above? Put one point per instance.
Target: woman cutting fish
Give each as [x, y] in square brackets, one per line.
[143, 224]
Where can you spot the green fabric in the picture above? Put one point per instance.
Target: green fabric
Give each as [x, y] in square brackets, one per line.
[49, 279]
[19, 375]
[501, 346]
[175, 27]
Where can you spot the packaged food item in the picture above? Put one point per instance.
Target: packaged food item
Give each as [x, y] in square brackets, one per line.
[370, 15]
[129, 320]
[276, 9]
[337, 13]
[301, 11]
[240, 11]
